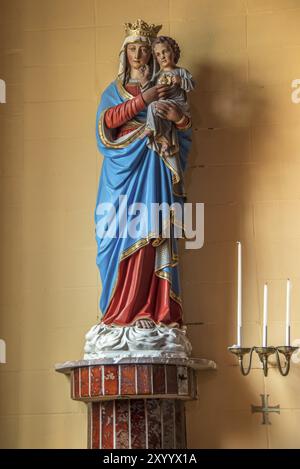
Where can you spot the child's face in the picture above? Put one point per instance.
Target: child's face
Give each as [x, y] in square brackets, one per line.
[164, 55]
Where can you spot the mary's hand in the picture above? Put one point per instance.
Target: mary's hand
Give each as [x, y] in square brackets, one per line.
[155, 93]
[169, 111]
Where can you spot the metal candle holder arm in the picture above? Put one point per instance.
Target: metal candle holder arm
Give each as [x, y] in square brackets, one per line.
[264, 353]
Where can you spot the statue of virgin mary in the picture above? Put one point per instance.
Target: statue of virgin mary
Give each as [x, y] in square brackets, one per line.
[140, 302]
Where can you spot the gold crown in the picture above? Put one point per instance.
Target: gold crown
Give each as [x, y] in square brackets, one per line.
[141, 28]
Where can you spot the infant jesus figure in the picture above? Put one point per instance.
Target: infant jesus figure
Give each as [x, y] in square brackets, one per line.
[162, 135]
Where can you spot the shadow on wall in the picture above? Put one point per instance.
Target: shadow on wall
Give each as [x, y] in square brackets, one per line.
[221, 174]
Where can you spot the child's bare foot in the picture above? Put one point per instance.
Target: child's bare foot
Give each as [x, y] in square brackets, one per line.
[147, 133]
[165, 149]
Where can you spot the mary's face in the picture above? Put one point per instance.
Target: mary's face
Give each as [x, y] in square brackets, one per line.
[138, 54]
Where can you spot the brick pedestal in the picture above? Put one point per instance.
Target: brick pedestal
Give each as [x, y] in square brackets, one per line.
[137, 423]
[135, 403]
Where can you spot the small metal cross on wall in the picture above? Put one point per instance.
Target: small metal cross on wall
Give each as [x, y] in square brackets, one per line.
[265, 409]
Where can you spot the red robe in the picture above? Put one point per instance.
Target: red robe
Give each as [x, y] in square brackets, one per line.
[139, 293]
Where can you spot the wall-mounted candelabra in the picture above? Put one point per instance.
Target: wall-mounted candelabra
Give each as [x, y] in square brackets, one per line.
[265, 351]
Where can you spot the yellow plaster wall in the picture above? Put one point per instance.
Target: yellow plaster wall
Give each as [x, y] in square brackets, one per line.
[56, 58]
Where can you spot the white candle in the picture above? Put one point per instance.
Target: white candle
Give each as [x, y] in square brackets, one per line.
[265, 317]
[288, 314]
[239, 296]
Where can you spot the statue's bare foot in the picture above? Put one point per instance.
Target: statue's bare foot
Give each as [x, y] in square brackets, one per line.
[144, 323]
[147, 133]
